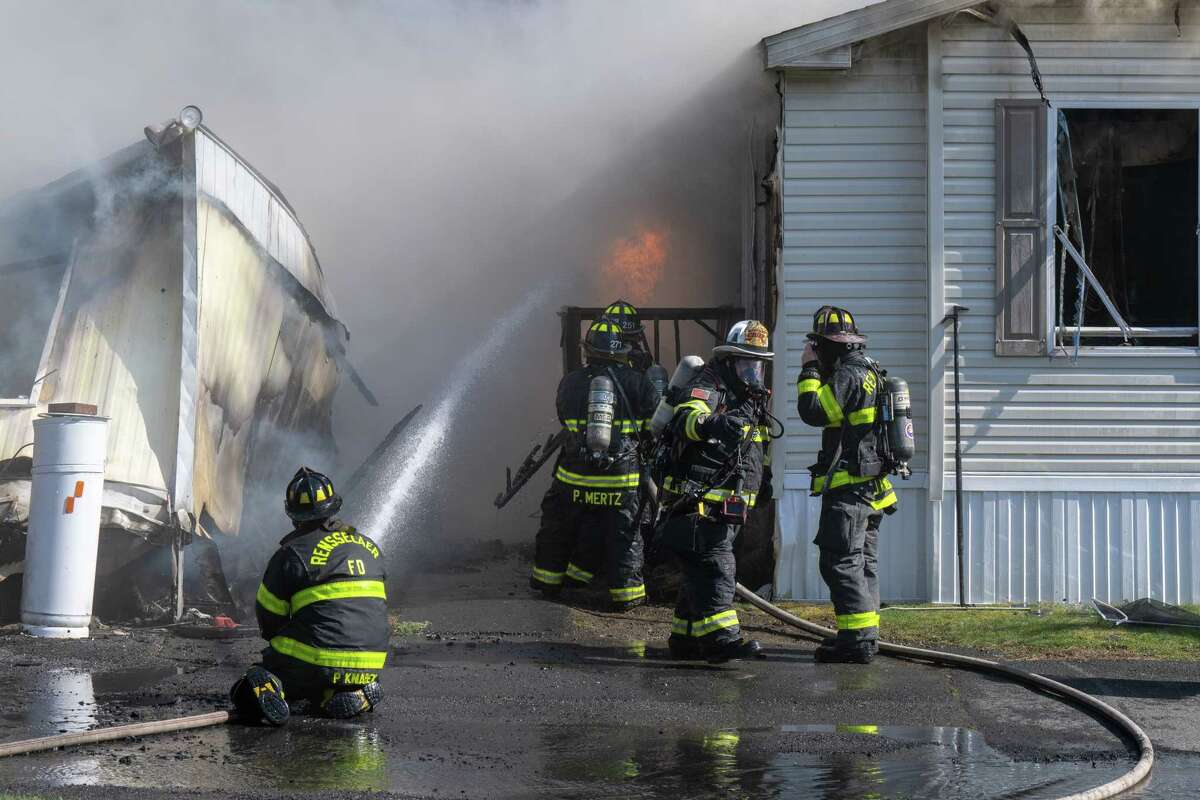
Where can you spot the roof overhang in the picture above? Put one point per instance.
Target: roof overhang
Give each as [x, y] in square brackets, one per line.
[825, 44]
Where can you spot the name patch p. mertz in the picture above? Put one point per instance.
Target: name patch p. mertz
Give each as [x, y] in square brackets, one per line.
[320, 554]
[595, 498]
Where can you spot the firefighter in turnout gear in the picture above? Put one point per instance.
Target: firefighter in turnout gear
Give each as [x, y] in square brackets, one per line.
[713, 477]
[839, 391]
[629, 320]
[323, 609]
[588, 515]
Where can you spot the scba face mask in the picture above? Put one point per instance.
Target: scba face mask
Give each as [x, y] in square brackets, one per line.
[750, 371]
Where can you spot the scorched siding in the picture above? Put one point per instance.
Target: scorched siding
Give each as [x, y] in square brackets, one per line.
[1110, 415]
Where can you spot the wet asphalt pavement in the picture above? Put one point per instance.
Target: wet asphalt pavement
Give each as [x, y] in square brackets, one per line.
[507, 696]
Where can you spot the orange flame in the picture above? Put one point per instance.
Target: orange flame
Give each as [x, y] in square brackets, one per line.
[634, 267]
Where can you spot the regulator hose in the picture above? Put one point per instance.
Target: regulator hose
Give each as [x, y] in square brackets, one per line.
[1060, 690]
[117, 732]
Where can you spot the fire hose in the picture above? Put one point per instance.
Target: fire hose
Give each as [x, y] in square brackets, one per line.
[26, 746]
[1060, 690]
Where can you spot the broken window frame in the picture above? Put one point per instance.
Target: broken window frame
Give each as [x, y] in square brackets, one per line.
[41, 373]
[1065, 348]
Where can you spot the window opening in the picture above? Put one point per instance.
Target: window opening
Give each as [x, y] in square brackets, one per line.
[27, 306]
[1127, 212]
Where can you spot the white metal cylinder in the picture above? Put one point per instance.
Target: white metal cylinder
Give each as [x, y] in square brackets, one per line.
[64, 525]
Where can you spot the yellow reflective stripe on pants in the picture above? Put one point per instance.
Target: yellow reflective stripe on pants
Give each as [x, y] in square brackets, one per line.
[830, 405]
[547, 577]
[707, 625]
[680, 627]
[272, 603]
[627, 593]
[839, 478]
[629, 480]
[338, 590]
[886, 501]
[579, 574]
[622, 425]
[320, 657]
[721, 495]
[869, 729]
[854, 622]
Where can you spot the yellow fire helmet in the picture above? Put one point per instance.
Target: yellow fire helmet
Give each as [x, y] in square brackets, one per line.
[746, 339]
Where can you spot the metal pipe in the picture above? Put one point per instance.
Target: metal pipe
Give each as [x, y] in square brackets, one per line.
[1063, 692]
[958, 471]
[118, 732]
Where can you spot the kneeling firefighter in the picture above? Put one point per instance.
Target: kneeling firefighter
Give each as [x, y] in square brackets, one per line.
[323, 609]
[588, 515]
[840, 390]
[713, 477]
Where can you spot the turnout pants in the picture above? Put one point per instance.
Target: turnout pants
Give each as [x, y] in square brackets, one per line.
[312, 683]
[585, 531]
[848, 538]
[704, 613]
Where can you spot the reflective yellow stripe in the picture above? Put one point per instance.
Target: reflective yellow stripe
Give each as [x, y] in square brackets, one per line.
[721, 495]
[830, 405]
[871, 729]
[808, 385]
[679, 627]
[889, 499]
[628, 593]
[839, 478]
[270, 602]
[854, 622]
[579, 574]
[628, 480]
[338, 590]
[707, 625]
[762, 434]
[320, 657]
[547, 577]
[865, 416]
[698, 410]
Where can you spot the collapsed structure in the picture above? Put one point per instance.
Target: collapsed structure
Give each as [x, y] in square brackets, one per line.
[920, 167]
[172, 286]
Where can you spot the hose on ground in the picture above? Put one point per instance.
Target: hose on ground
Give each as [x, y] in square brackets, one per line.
[26, 746]
[1061, 690]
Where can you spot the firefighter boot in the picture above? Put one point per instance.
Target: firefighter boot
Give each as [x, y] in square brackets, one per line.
[831, 651]
[344, 705]
[258, 696]
[545, 589]
[735, 650]
[684, 648]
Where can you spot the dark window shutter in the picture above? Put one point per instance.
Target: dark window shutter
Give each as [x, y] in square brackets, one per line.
[1020, 227]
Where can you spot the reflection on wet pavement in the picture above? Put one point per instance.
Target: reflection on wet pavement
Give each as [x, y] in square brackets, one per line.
[67, 698]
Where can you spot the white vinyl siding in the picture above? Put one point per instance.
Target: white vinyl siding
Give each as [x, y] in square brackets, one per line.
[1111, 415]
[854, 218]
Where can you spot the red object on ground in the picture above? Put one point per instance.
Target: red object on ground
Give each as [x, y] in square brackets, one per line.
[223, 621]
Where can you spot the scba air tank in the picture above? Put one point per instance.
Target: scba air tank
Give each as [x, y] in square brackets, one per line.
[689, 367]
[657, 375]
[602, 401]
[901, 441]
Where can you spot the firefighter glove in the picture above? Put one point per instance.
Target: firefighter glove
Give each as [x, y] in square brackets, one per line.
[725, 428]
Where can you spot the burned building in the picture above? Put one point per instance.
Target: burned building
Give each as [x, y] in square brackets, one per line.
[172, 286]
[921, 167]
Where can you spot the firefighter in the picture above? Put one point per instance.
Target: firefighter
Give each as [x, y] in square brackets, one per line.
[588, 515]
[323, 609]
[839, 388]
[713, 478]
[629, 320]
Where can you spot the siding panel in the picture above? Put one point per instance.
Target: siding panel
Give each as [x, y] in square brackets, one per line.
[1104, 414]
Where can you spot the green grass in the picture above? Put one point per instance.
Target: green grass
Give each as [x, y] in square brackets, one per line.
[1047, 632]
[401, 629]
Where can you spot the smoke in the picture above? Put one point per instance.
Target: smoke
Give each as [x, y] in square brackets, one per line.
[447, 158]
